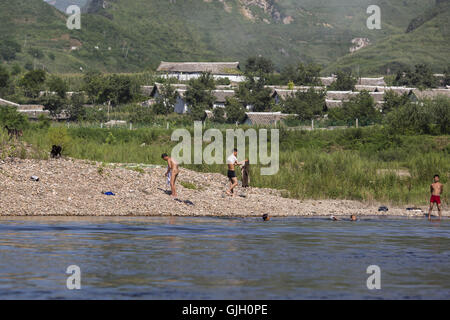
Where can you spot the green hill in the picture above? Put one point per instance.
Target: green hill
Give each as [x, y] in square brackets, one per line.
[426, 40]
[132, 35]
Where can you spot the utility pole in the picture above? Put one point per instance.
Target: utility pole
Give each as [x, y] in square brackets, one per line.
[109, 105]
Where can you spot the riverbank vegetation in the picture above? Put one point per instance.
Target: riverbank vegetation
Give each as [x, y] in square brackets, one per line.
[368, 164]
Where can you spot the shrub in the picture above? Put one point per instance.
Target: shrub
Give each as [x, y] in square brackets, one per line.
[219, 115]
[234, 110]
[409, 118]
[361, 107]
[344, 81]
[36, 53]
[440, 111]
[32, 82]
[10, 117]
[60, 137]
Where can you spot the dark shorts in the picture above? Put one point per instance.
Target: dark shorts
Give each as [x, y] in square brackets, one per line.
[436, 199]
[231, 174]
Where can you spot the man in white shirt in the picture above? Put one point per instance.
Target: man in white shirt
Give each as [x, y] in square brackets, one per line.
[232, 162]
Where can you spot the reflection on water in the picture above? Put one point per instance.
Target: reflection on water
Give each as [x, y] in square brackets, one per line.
[211, 258]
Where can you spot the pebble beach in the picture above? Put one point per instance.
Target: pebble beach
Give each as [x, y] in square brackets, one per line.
[69, 187]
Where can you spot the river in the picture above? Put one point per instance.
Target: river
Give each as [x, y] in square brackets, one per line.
[218, 258]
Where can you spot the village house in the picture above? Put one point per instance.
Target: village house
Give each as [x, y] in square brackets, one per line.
[259, 118]
[155, 90]
[221, 94]
[265, 118]
[333, 98]
[31, 111]
[398, 90]
[4, 102]
[184, 71]
[333, 103]
[430, 93]
[371, 81]
[282, 94]
[221, 97]
[327, 81]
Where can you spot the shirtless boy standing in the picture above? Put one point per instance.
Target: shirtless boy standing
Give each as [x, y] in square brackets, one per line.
[172, 172]
[436, 189]
[232, 162]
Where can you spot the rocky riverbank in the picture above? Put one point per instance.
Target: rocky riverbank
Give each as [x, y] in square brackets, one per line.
[71, 187]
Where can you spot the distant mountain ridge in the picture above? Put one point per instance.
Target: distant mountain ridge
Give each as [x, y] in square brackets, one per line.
[441, 5]
[132, 35]
[426, 40]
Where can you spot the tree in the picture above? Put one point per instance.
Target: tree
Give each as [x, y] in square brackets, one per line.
[54, 103]
[411, 117]
[344, 82]
[8, 49]
[116, 89]
[223, 81]
[28, 66]
[219, 115]
[254, 93]
[197, 111]
[421, 77]
[393, 100]
[139, 114]
[75, 109]
[16, 69]
[262, 99]
[361, 107]
[258, 66]
[6, 85]
[32, 82]
[302, 74]
[447, 76]
[93, 84]
[10, 117]
[234, 110]
[206, 80]
[306, 105]
[199, 95]
[36, 53]
[4, 77]
[440, 112]
[58, 85]
[166, 100]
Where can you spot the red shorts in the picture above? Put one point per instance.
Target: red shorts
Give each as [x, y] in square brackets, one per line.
[436, 199]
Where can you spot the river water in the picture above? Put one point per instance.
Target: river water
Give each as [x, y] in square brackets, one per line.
[215, 258]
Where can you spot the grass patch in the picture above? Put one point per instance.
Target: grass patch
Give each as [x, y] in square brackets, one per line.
[189, 185]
